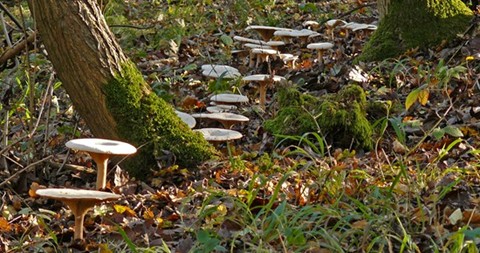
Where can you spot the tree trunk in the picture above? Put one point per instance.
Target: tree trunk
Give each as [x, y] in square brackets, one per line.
[107, 90]
[382, 6]
[409, 24]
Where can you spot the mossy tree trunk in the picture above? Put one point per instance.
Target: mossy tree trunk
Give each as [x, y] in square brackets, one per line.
[409, 24]
[106, 89]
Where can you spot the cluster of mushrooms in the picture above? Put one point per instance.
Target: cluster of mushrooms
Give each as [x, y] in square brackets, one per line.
[269, 47]
[259, 51]
[80, 200]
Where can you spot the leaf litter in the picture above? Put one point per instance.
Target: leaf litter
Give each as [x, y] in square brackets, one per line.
[421, 182]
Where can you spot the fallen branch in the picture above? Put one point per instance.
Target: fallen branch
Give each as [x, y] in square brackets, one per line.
[14, 51]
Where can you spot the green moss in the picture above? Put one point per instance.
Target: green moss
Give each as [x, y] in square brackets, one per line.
[413, 23]
[341, 117]
[145, 119]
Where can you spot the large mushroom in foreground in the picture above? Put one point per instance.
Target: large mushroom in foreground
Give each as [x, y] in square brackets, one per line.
[79, 201]
[101, 150]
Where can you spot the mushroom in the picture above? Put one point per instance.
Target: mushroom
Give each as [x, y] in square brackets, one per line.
[331, 24]
[320, 47]
[101, 150]
[215, 71]
[263, 55]
[263, 81]
[252, 46]
[220, 107]
[311, 24]
[226, 98]
[266, 32]
[187, 118]
[363, 29]
[79, 201]
[289, 58]
[217, 135]
[303, 34]
[226, 118]
[276, 44]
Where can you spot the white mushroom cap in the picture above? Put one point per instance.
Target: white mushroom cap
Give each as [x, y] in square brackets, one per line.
[335, 22]
[320, 45]
[187, 118]
[101, 146]
[276, 43]
[263, 77]
[224, 106]
[76, 194]
[219, 134]
[229, 98]
[248, 40]
[296, 33]
[265, 51]
[288, 57]
[212, 70]
[351, 25]
[214, 109]
[222, 116]
[251, 45]
[363, 27]
[312, 23]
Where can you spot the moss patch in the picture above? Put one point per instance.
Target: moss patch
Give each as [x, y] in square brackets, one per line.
[143, 118]
[413, 23]
[341, 117]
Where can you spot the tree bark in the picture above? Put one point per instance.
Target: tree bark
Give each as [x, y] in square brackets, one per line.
[94, 71]
[407, 24]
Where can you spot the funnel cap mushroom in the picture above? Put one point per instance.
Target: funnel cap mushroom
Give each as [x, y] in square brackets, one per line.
[226, 118]
[187, 118]
[211, 70]
[226, 98]
[101, 150]
[79, 201]
[266, 31]
[219, 134]
[321, 46]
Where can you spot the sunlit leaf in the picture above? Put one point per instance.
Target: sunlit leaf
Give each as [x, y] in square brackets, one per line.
[124, 210]
[4, 225]
[423, 96]
[411, 98]
[455, 216]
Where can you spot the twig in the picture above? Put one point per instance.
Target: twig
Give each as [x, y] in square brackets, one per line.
[12, 52]
[356, 9]
[10, 15]
[25, 169]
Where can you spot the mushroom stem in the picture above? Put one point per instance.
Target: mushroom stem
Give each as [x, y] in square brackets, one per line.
[79, 209]
[320, 57]
[102, 161]
[78, 229]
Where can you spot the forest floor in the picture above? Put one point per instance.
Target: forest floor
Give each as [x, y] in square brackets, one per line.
[417, 190]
